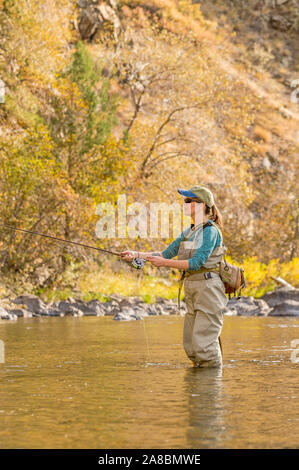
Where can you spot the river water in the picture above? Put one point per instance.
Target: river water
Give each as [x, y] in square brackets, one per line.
[93, 382]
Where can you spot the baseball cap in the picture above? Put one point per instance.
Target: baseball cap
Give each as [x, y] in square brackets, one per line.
[204, 194]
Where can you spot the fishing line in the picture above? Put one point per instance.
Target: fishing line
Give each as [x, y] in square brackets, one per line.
[61, 239]
[136, 263]
[146, 340]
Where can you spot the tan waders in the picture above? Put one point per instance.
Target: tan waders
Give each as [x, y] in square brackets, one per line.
[205, 299]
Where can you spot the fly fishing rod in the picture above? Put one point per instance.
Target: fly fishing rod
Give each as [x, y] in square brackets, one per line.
[137, 263]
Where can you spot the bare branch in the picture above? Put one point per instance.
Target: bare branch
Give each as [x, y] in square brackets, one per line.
[167, 120]
[169, 158]
[136, 111]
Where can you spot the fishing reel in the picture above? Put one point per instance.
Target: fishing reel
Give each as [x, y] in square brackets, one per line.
[138, 263]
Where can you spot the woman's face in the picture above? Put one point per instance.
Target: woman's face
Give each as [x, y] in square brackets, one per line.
[194, 209]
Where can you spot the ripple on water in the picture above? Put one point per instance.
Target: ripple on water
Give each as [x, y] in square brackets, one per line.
[178, 406]
[293, 325]
[172, 366]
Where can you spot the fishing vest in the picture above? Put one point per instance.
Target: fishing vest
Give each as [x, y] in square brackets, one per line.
[186, 251]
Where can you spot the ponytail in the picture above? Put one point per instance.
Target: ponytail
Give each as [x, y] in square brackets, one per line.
[214, 214]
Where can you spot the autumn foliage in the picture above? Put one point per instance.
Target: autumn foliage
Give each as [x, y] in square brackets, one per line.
[141, 113]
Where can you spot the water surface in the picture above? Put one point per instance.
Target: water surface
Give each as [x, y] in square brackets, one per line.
[93, 382]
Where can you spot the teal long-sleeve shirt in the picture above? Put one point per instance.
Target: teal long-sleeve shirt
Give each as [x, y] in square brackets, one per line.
[209, 240]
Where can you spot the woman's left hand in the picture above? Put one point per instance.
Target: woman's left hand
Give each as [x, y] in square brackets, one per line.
[156, 260]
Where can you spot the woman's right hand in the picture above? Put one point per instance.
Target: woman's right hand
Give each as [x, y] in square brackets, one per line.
[128, 255]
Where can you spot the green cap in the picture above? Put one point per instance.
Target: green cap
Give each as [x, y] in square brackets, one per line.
[204, 194]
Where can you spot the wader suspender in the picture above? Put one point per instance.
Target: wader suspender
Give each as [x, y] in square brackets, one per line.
[201, 270]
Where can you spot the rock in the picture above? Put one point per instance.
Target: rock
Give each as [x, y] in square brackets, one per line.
[280, 22]
[88, 23]
[283, 301]
[161, 310]
[280, 295]
[67, 308]
[4, 315]
[62, 305]
[8, 316]
[32, 302]
[74, 312]
[111, 307]
[97, 306]
[247, 306]
[79, 306]
[168, 307]
[21, 312]
[230, 311]
[286, 308]
[128, 313]
[94, 17]
[113, 311]
[120, 307]
[172, 308]
[151, 309]
[54, 313]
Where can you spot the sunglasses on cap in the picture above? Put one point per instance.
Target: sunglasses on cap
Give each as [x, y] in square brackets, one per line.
[188, 200]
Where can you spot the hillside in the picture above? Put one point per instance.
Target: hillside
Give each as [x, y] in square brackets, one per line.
[236, 41]
[104, 98]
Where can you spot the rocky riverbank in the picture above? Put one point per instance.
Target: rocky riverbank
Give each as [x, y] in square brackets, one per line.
[284, 301]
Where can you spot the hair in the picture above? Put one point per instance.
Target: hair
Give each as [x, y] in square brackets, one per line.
[213, 213]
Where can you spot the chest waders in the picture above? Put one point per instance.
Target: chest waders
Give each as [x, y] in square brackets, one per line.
[205, 299]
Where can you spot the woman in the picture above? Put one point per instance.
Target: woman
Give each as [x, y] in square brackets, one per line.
[199, 257]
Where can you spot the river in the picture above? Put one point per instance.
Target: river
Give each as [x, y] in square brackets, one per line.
[92, 382]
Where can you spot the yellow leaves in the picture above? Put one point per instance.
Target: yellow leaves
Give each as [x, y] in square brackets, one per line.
[258, 275]
[69, 91]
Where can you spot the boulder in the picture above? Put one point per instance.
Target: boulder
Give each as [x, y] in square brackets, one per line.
[151, 309]
[97, 306]
[67, 308]
[247, 306]
[287, 307]
[52, 312]
[73, 312]
[4, 315]
[280, 295]
[78, 306]
[128, 313]
[94, 17]
[111, 307]
[32, 302]
[21, 313]
[280, 22]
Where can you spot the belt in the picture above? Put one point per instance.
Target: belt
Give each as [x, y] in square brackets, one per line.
[202, 273]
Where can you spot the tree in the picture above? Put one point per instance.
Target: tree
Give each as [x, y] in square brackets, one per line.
[81, 127]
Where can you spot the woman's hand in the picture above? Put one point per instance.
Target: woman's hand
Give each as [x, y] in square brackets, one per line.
[157, 260]
[128, 255]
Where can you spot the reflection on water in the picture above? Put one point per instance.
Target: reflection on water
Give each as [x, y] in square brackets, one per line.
[95, 383]
[206, 414]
